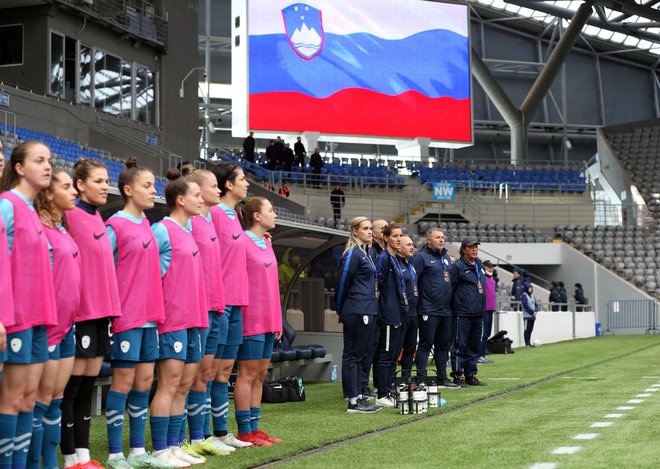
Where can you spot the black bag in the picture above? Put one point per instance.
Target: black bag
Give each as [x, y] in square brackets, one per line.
[289, 389]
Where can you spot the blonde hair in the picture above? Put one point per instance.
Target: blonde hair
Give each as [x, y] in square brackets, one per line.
[352, 240]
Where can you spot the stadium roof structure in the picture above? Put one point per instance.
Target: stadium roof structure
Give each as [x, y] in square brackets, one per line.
[630, 25]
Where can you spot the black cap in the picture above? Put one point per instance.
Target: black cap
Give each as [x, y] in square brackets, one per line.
[518, 271]
[469, 241]
[578, 285]
[487, 263]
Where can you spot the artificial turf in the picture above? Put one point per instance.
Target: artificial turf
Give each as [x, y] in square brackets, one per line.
[535, 401]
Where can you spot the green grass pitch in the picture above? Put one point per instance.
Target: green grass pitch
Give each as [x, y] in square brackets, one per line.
[536, 402]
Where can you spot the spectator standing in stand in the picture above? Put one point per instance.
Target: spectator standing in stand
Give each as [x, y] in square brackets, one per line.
[249, 144]
[579, 297]
[491, 307]
[300, 153]
[555, 296]
[316, 163]
[563, 296]
[271, 156]
[287, 158]
[337, 200]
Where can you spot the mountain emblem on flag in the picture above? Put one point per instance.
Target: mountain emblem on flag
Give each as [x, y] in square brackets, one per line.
[304, 29]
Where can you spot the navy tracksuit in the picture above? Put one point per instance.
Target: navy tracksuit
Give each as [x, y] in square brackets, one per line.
[410, 337]
[468, 305]
[434, 317]
[357, 308]
[371, 361]
[392, 312]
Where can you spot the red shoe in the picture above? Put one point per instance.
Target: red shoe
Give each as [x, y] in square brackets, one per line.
[252, 438]
[264, 436]
[91, 464]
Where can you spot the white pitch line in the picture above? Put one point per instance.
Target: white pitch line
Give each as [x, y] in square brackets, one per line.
[504, 379]
[544, 465]
[585, 436]
[601, 424]
[635, 401]
[651, 390]
[643, 395]
[651, 377]
[566, 450]
[626, 407]
[613, 416]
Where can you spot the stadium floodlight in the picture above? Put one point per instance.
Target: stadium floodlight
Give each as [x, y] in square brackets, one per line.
[183, 80]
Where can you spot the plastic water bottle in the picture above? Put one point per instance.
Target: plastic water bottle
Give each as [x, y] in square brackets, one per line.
[333, 375]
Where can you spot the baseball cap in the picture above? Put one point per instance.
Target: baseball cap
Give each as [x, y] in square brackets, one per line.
[469, 241]
[488, 263]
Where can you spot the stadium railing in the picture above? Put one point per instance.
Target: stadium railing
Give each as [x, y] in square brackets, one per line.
[632, 314]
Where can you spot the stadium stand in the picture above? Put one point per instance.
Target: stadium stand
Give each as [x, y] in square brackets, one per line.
[629, 251]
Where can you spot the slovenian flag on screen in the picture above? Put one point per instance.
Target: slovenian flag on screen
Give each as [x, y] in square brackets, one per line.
[394, 68]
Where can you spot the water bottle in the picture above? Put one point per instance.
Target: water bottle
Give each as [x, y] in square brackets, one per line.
[333, 375]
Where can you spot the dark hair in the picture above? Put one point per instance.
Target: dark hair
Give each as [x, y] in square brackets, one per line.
[225, 172]
[390, 227]
[83, 168]
[10, 177]
[44, 207]
[249, 208]
[177, 186]
[129, 174]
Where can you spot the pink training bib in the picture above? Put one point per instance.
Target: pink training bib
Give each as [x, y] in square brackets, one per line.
[100, 296]
[138, 275]
[66, 280]
[233, 244]
[263, 313]
[6, 289]
[183, 283]
[32, 282]
[209, 248]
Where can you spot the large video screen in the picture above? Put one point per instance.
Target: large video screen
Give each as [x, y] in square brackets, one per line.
[390, 68]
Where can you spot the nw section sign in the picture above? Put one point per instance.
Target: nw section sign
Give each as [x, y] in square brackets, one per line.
[444, 191]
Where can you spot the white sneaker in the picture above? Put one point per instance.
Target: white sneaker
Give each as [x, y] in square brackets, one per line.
[387, 401]
[218, 443]
[230, 440]
[187, 458]
[168, 458]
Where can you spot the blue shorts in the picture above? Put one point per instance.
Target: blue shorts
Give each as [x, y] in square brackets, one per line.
[185, 345]
[256, 347]
[28, 346]
[215, 336]
[234, 332]
[139, 345]
[65, 349]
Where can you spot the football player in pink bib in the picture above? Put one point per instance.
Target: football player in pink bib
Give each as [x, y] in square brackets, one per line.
[51, 204]
[186, 313]
[262, 321]
[28, 172]
[135, 347]
[99, 303]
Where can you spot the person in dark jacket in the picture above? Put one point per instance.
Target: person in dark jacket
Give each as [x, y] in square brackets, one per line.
[316, 163]
[249, 144]
[406, 254]
[392, 312]
[555, 296]
[517, 288]
[337, 200]
[287, 157]
[300, 152]
[271, 156]
[563, 296]
[579, 297]
[433, 267]
[357, 310]
[468, 306]
[530, 306]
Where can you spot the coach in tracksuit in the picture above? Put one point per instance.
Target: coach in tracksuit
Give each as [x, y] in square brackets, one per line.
[433, 266]
[357, 308]
[468, 280]
[392, 312]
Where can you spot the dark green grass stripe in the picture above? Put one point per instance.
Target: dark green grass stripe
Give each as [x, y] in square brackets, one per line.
[454, 408]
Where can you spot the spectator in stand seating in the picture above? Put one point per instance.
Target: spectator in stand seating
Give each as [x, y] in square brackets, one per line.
[249, 144]
[491, 307]
[316, 162]
[2, 156]
[337, 200]
[555, 296]
[579, 297]
[279, 150]
[563, 296]
[271, 156]
[287, 158]
[300, 152]
[267, 185]
[284, 190]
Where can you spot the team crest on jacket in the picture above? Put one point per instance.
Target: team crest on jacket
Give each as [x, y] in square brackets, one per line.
[304, 29]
